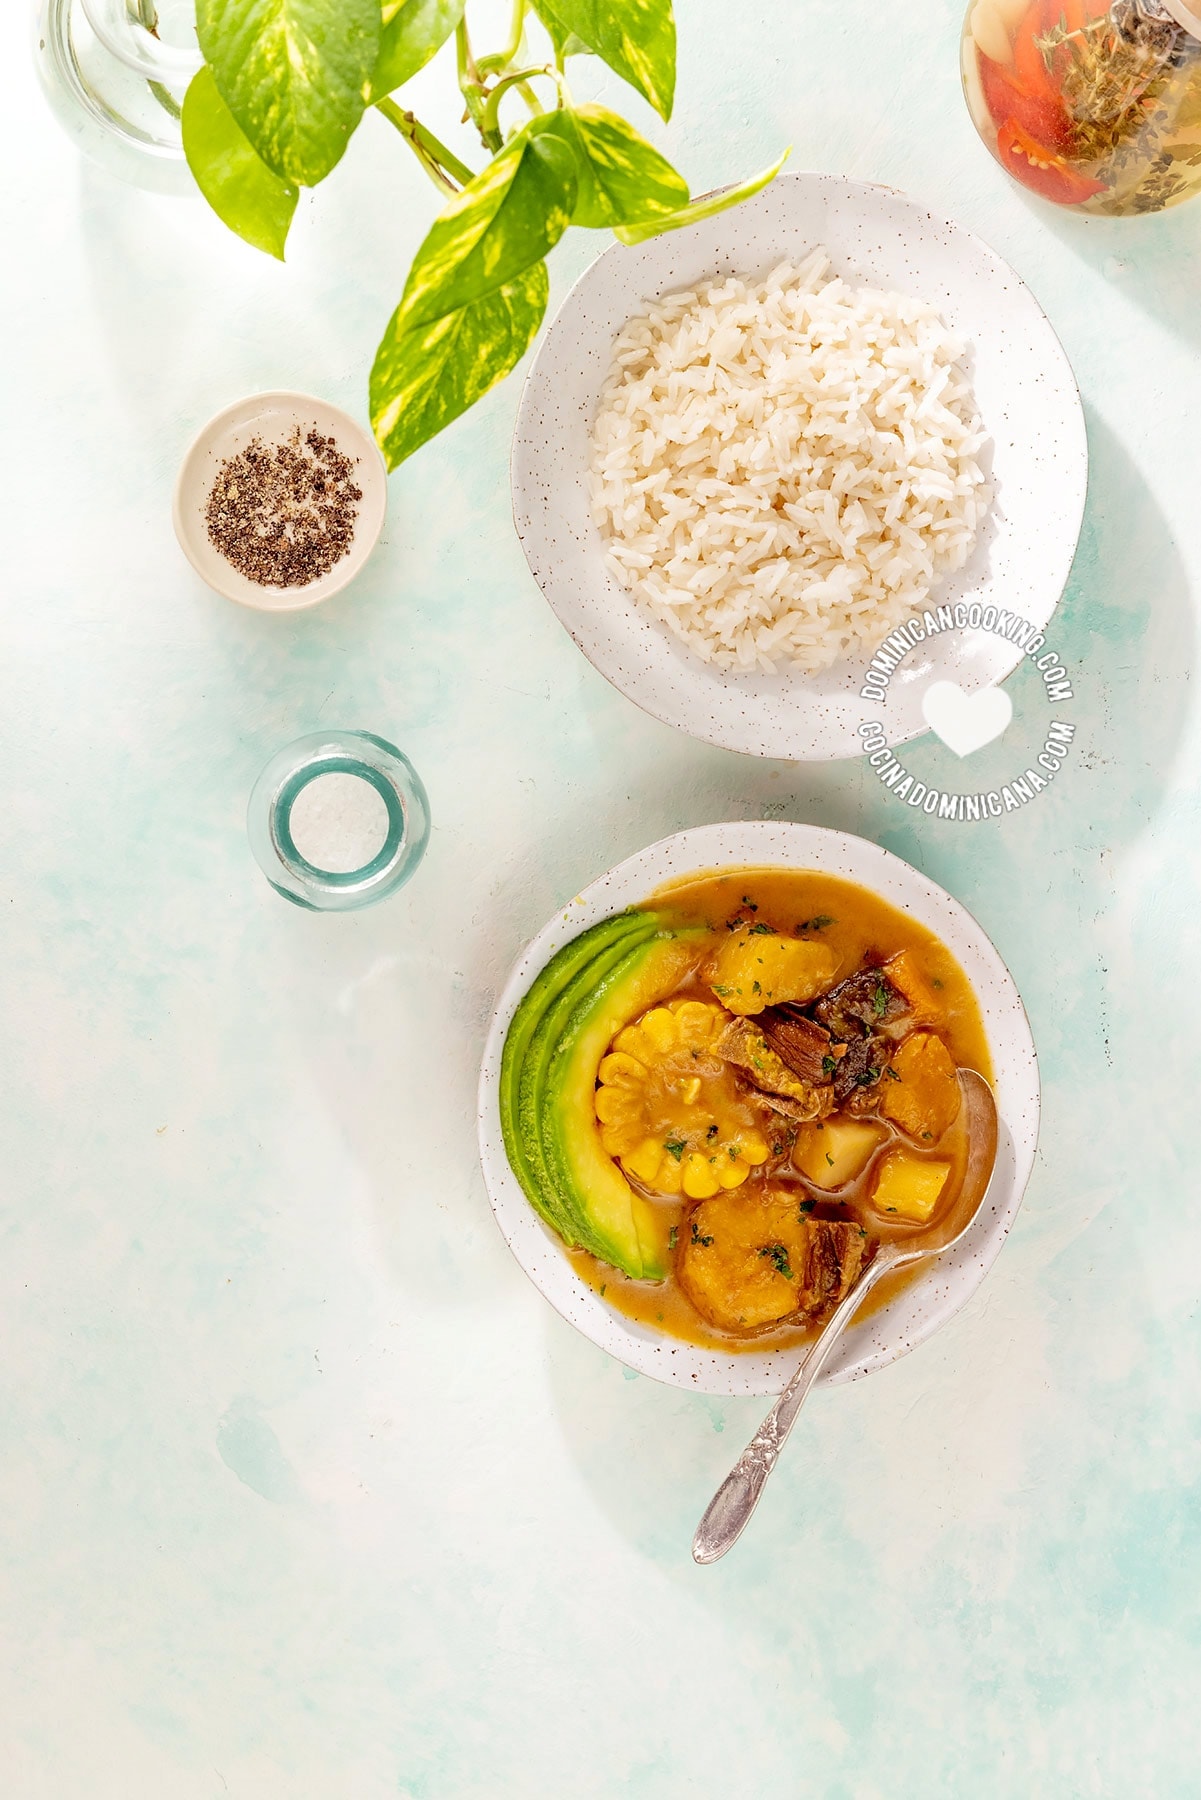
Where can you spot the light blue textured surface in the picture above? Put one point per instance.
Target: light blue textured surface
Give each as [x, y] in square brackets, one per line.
[304, 1493]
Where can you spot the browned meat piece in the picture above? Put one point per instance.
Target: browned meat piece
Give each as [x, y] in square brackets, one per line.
[856, 1073]
[863, 1004]
[802, 1110]
[837, 1251]
[798, 1042]
[743, 1044]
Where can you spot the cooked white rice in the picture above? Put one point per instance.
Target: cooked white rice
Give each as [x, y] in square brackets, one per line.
[783, 468]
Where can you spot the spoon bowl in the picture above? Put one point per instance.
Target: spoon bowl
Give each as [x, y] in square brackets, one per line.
[736, 1499]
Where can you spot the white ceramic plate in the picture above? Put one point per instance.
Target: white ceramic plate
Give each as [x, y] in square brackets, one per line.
[931, 1299]
[273, 417]
[1027, 399]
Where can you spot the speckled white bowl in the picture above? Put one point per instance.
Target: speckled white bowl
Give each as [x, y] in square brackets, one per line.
[1027, 398]
[272, 417]
[931, 1299]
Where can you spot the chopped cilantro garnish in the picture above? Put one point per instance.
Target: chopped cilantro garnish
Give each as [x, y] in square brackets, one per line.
[880, 1000]
[778, 1255]
[673, 1237]
[755, 988]
[712, 1132]
[675, 1147]
[700, 1237]
[865, 1077]
[749, 904]
[817, 924]
[722, 990]
[734, 1151]
[762, 930]
[829, 1159]
[891, 1073]
[828, 1065]
[806, 1206]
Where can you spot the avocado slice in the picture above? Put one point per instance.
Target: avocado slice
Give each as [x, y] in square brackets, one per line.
[613, 1221]
[553, 1202]
[620, 931]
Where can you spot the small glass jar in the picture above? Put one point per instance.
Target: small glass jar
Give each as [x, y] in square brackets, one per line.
[1091, 104]
[338, 820]
[115, 73]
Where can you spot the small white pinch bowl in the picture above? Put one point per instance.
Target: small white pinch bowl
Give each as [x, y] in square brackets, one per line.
[1027, 399]
[931, 1298]
[273, 417]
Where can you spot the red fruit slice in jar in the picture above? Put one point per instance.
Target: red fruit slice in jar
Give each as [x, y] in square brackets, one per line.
[1046, 121]
[1038, 168]
[1041, 20]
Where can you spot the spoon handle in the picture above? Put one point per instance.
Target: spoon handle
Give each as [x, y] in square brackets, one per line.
[737, 1497]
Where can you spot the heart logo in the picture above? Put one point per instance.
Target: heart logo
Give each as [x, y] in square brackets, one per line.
[966, 722]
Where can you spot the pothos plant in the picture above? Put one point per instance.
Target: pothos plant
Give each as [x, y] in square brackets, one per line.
[286, 82]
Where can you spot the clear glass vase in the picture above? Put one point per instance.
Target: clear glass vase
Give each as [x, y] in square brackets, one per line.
[115, 73]
[1091, 104]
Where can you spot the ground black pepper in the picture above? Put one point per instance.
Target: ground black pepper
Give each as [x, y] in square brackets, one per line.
[284, 514]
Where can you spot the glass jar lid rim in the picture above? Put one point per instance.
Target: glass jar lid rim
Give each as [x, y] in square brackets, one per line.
[1187, 15]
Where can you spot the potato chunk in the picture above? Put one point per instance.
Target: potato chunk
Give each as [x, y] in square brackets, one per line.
[754, 969]
[833, 1152]
[749, 1258]
[909, 1185]
[920, 1091]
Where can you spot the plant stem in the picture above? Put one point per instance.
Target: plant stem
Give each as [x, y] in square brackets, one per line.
[469, 75]
[439, 163]
[500, 59]
[491, 119]
[470, 85]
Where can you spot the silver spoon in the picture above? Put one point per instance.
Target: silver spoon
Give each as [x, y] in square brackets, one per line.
[738, 1495]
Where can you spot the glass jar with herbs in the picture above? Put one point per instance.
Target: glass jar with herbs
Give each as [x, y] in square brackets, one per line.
[1092, 104]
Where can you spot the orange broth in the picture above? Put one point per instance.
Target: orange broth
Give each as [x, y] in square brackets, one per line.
[859, 927]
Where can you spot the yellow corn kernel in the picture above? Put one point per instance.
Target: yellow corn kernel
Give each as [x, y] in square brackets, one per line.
[699, 1024]
[641, 1158]
[669, 1179]
[690, 1089]
[754, 1148]
[618, 1140]
[632, 1043]
[731, 1173]
[644, 1161]
[613, 1104]
[660, 1027]
[699, 1177]
[619, 1070]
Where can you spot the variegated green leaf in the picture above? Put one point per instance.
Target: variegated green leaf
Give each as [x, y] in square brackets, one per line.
[414, 31]
[622, 178]
[565, 42]
[502, 222]
[637, 38]
[294, 74]
[426, 374]
[244, 193]
[705, 208]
